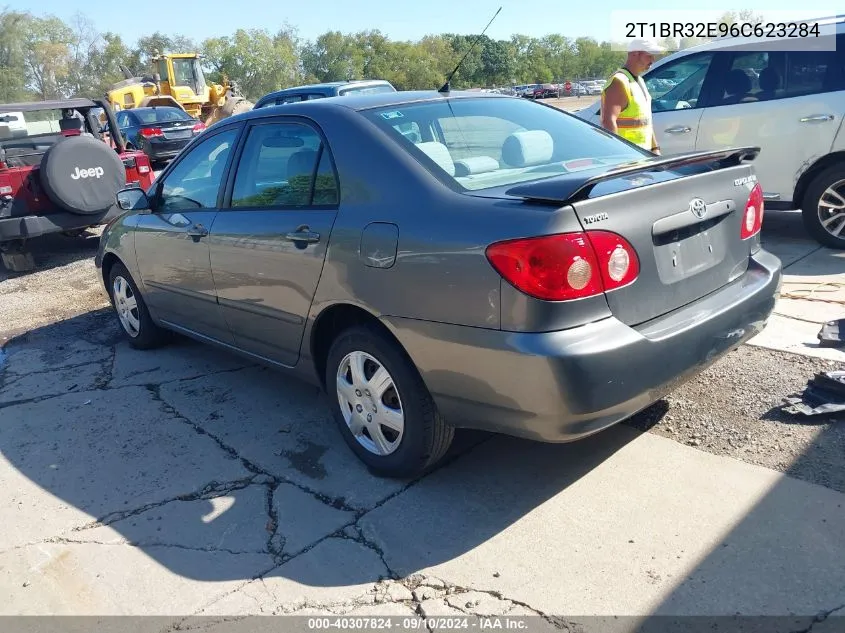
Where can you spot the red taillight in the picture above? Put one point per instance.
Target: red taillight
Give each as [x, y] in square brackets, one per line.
[565, 266]
[619, 262]
[199, 127]
[149, 132]
[752, 218]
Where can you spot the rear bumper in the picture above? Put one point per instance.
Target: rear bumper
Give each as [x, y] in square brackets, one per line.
[159, 150]
[30, 226]
[561, 386]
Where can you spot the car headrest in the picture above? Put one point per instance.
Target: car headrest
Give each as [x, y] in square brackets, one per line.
[769, 79]
[301, 163]
[530, 147]
[475, 165]
[70, 125]
[737, 83]
[439, 153]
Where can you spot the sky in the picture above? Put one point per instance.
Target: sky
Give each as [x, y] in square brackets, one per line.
[212, 18]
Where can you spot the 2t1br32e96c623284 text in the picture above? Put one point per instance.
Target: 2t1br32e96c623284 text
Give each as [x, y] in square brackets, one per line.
[712, 30]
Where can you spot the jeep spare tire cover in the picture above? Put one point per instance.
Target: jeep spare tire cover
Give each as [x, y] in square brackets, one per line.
[82, 175]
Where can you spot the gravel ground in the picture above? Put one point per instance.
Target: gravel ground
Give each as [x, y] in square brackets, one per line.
[571, 103]
[63, 285]
[733, 409]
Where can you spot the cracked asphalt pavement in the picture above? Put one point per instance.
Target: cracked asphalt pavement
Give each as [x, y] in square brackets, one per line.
[191, 484]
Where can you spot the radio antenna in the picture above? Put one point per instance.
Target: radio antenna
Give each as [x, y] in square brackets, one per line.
[445, 88]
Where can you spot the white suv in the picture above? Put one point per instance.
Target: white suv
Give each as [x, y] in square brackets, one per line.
[779, 96]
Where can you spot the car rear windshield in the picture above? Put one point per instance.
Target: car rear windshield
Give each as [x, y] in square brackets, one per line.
[161, 114]
[367, 90]
[485, 142]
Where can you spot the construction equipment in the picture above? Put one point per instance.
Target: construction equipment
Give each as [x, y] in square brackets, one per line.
[178, 81]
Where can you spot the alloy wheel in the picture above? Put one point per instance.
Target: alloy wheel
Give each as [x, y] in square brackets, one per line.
[831, 209]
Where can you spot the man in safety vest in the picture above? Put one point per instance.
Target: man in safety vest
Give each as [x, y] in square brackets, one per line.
[625, 101]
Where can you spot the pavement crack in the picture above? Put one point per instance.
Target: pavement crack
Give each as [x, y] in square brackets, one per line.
[441, 589]
[337, 503]
[209, 491]
[108, 373]
[275, 549]
[12, 377]
[355, 534]
[821, 617]
[147, 545]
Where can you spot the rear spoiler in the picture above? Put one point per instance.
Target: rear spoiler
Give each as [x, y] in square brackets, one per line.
[575, 186]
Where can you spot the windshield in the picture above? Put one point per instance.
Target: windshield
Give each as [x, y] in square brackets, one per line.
[188, 72]
[160, 114]
[41, 126]
[491, 142]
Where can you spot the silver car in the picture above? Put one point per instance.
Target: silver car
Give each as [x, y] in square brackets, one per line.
[437, 261]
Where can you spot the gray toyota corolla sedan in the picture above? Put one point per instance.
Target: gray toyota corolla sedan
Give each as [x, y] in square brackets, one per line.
[447, 260]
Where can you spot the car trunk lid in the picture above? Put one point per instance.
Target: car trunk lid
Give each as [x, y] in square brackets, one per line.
[682, 216]
[172, 130]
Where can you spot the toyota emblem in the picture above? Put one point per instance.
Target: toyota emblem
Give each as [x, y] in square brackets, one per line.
[698, 207]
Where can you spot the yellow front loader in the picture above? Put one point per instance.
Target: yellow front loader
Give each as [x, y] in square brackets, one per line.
[179, 81]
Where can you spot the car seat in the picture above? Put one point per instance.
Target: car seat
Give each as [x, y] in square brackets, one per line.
[769, 83]
[737, 86]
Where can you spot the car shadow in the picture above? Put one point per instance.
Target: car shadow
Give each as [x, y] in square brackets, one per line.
[221, 470]
[56, 250]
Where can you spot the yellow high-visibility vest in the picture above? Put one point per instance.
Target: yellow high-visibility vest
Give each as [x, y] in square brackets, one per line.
[634, 122]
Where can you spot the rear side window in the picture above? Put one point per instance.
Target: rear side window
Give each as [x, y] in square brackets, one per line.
[762, 76]
[478, 143]
[282, 166]
[123, 119]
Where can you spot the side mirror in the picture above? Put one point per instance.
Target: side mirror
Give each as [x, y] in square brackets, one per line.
[133, 199]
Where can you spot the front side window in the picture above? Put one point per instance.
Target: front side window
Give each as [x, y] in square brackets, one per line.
[489, 142]
[278, 166]
[678, 84]
[162, 70]
[195, 180]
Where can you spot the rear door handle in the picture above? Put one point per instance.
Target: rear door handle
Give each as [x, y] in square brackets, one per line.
[303, 236]
[818, 117]
[678, 129]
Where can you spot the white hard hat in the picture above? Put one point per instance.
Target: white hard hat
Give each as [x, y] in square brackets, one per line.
[645, 44]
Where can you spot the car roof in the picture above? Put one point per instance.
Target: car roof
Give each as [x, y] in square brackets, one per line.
[384, 99]
[169, 107]
[327, 84]
[358, 103]
[59, 104]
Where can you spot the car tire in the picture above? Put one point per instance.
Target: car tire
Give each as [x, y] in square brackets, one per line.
[424, 437]
[136, 324]
[824, 188]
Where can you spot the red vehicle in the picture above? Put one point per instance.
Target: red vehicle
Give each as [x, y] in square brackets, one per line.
[58, 173]
[546, 91]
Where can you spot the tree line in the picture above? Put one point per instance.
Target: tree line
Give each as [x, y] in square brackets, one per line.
[44, 57]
